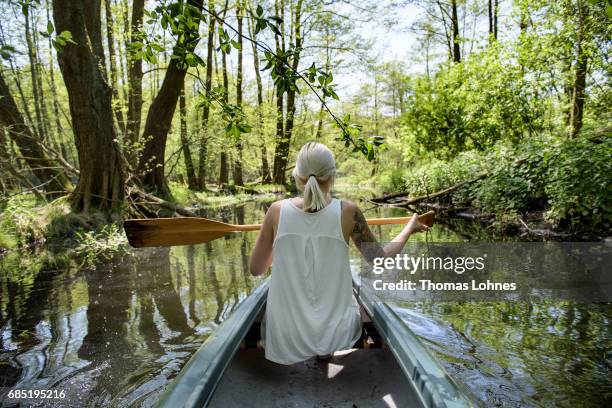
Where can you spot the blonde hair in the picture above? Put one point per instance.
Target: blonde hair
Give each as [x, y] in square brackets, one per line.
[314, 162]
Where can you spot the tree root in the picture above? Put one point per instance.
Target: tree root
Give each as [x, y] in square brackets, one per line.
[146, 205]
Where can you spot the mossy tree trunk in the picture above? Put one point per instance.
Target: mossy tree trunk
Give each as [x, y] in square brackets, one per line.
[101, 184]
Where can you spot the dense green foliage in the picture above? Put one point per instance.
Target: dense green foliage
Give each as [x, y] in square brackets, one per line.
[524, 110]
[568, 179]
[473, 105]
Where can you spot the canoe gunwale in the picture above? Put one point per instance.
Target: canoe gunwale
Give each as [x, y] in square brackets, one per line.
[430, 381]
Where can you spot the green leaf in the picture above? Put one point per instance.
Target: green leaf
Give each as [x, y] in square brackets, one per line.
[244, 127]
[67, 37]
[259, 10]
[50, 28]
[157, 47]
[274, 29]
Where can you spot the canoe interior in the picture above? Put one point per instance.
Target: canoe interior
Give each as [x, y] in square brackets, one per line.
[230, 370]
[370, 338]
[366, 375]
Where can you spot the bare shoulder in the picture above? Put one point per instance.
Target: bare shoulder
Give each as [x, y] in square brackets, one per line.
[350, 212]
[274, 209]
[271, 219]
[349, 209]
[273, 213]
[275, 206]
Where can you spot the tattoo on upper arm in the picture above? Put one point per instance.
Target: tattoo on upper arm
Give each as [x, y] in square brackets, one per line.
[364, 239]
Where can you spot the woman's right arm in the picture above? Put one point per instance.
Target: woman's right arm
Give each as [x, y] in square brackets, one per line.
[369, 246]
[261, 258]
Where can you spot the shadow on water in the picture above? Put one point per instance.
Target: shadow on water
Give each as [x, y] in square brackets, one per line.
[116, 334]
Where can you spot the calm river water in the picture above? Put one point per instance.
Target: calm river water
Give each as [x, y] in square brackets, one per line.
[115, 332]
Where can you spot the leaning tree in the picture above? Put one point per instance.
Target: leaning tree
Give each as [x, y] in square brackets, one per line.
[101, 184]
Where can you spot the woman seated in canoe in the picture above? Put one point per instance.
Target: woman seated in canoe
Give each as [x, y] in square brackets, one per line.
[311, 310]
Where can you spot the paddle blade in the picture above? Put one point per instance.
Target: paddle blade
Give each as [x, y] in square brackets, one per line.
[174, 231]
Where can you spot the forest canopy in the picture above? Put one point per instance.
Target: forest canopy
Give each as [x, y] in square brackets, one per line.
[117, 107]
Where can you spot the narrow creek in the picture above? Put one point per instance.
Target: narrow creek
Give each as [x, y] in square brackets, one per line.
[115, 332]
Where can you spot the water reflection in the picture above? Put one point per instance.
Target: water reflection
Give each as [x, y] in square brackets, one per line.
[115, 335]
[521, 354]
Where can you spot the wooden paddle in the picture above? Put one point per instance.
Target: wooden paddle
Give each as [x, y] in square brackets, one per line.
[191, 230]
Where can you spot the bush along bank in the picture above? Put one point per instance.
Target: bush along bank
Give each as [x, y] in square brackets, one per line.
[563, 187]
[25, 223]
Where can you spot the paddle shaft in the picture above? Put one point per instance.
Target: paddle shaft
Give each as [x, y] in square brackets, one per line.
[187, 231]
[370, 221]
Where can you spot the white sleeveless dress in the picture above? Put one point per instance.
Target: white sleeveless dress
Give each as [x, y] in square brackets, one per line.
[311, 309]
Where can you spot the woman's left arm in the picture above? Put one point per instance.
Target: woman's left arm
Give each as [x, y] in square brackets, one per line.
[261, 258]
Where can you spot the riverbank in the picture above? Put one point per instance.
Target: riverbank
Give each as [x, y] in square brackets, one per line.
[557, 189]
[26, 223]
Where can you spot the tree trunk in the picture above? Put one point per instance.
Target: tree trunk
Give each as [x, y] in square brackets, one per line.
[191, 176]
[321, 115]
[495, 12]
[22, 98]
[285, 142]
[577, 108]
[238, 181]
[92, 11]
[110, 40]
[56, 111]
[223, 170]
[490, 10]
[45, 169]
[102, 177]
[376, 123]
[320, 122]
[447, 28]
[34, 74]
[134, 112]
[224, 165]
[278, 171]
[265, 166]
[210, 50]
[159, 119]
[122, 42]
[41, 89]
[455, 27]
